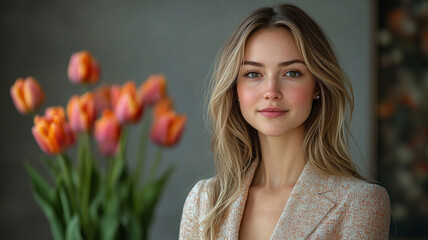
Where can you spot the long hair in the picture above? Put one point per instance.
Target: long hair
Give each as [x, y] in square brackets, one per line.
[235, 143]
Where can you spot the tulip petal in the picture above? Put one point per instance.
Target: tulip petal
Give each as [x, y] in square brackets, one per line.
[153, 89]
[159, 132]
[162, 106]
[127, 109]
[40, 133]
[51, 133]
[102, 99]
[17, 94]
[81, 112]
[168, 129]
[176, 129]
[107, 133]
[33, 94]
[82, 68]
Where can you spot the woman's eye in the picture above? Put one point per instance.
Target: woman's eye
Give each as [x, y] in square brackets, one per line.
[292, 74]
[253, 75]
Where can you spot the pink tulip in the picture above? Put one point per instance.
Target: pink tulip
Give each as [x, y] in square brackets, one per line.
[81, 112]
[153, 89]
[128, 109]
[114, 95]
[168, 129]
[107, 133]
[27, 95]
[51, 132]
[83, 68]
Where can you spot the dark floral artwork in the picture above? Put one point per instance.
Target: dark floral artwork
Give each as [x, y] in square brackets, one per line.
[403, 113]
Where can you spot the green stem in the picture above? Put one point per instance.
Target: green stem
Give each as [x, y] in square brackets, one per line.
[86, 184]
[156, 164]
[63, 162]
[141, 156]
[118, 163]
[108, 177]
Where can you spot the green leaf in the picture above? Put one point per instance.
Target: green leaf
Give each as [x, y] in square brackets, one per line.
[66, 170]
[40, 185]
[52, 168]
[149, 196]
[65, 204]
[73, 229]
[45, 197]
[109, 228]
[134, 226]
[110, 221]
[96, 204]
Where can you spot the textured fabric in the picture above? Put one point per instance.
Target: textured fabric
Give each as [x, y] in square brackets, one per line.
[320, 206]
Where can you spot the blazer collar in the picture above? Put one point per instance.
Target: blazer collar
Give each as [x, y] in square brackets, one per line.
[305, 208]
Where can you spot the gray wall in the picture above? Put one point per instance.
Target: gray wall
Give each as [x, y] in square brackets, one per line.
[133, 39]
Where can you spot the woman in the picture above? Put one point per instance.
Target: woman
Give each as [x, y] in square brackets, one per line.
[279, 138]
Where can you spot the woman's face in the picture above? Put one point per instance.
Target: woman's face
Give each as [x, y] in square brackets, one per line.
[275, 88]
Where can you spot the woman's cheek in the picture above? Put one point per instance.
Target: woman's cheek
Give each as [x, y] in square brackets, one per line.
[299, 95]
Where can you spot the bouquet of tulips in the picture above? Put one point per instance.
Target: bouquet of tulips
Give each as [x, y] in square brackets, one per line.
[87, 198]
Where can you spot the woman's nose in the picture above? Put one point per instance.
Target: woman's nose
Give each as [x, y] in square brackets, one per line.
[272, 91]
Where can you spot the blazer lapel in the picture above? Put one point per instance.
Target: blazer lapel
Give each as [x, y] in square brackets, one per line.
[230, 228]
[306, 205]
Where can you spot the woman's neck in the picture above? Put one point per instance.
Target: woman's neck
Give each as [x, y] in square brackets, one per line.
[282, 160]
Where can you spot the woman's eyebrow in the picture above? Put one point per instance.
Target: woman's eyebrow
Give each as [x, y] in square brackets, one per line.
[257, 64]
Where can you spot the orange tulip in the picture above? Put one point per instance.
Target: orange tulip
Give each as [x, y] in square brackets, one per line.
[83, 68]
[27, 95]
[168, 128]
[128, 109]
[56, 114]
[153, 89]
[51, 132]
[107, 133]
[162, 106]
[81, 112]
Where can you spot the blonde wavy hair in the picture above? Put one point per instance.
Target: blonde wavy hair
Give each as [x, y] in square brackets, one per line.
[235, 143]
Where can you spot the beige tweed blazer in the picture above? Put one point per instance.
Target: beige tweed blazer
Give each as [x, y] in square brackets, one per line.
[320, 206]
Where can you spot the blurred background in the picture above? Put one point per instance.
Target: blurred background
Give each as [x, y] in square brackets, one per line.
[133, 39]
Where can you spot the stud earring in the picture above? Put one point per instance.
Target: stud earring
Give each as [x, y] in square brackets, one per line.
[318, 96]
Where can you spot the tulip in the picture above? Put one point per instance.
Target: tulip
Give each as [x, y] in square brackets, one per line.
[56, 114]
[81, 112]
[27, 95]
[102, 99]
[128, 109]
[167, 129]
[83, 68]
[114, 95]
[52, 133]
[153, 89]
[107, 133]
[162, 106]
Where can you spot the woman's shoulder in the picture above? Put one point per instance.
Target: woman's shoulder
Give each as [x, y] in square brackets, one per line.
[354, 184]
[364, 208]
[195, 208]
[197, 199]
[361, 192]
[200, 189]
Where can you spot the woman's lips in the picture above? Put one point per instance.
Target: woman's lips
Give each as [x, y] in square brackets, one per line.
[272, 112]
